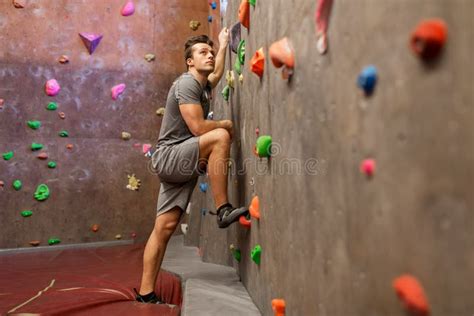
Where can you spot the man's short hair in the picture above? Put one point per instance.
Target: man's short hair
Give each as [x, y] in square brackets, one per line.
[188, 46]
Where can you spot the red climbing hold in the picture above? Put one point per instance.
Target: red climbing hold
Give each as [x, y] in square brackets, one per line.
[428, 38]
[42, 156]
[35, 243]
[2, 102]
[69, 146]
[278, 306]
[282, 54]
[245, 222]
[321, 17]
[410, 291]
[257, 63]
[244, 13]
[254, 208]
[2, 184]
[367, 167]
[95, 228]
[62, 115]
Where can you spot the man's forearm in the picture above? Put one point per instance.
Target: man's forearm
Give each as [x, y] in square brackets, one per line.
[220, 60]
[209, 125]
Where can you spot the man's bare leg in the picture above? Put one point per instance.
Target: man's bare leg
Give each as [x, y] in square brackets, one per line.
[214, 147]
[165, 225]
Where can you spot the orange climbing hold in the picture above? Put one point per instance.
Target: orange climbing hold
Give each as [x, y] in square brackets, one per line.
[254, 208]
[244, 13]
[278, 306]
[245, 222]
[429, 37]
[95, 228]
[282, 54]
[410, 291]
[69, 146]
[42, 156]
[257, 63]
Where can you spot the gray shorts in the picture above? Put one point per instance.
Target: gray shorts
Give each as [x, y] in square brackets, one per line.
[178, 169]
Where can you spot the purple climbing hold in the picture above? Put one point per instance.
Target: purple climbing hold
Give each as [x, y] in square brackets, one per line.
[52, 87]
[128, 9]
[91, 41]
[118, 90]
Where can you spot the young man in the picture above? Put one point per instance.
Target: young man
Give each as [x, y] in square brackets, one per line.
[187, 145]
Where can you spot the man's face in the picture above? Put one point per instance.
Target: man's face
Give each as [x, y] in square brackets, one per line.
[203, 58]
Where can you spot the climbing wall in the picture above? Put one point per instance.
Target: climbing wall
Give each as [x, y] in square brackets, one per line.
[368, 193]
[88, 186]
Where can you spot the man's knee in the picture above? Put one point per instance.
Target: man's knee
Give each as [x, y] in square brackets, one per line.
[166, 224]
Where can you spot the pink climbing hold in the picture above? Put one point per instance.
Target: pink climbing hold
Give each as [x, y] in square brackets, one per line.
[368, 167]
[146, 148]
[91, 41]
[128, 9]
[52, 87]
[321, 17]
[118, 90]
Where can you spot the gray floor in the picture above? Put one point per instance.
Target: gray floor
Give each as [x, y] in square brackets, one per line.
[209, 289]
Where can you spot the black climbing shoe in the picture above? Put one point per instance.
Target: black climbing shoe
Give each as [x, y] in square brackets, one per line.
[227, 214]
[150, 298]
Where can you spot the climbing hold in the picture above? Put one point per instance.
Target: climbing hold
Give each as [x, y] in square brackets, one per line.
[42, 156]
[257, 63]
[133, 235]
[36, 146]
[133, 183]
[321, 17]
[53, 241]
[184, 228]
[256, 254]
[52, 87]
[282, 54]
[241, 78]
[35, 243]
[263, 146]
[160, 111]
[91, 41]
[63, 134]
[149, 57]
[62, 115]
[410, 291]
[213, 5]
[210, 115]
[95, 228]
[146, 148]
[2, 102]
[51, 165]
[209, 18]
[19, 4]
[118, 90]
[235, 36]
[367, 166]
[63, 59]
[17, 185]
[257, 131]
[367, 79]
[238, 67]
[52, 106]
[225, 93]
[235, 252]
[126, 136]
[240, 60]
[245, 221]
[252, 3]
[194, 25]
[128, 9]
[42, 192]
[9, 155]
[244, 13]
[203, 186]
[26, 213]
[254, 208]
[203, 211]
[2, 184]
[34, 124]
[118, 236]
[429, 38]
[69, 146]
[278, 307]
[229, 77]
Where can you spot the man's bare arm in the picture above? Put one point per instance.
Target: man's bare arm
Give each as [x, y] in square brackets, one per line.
[193, 116]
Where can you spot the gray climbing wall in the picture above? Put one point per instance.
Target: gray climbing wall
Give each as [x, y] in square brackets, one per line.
[89, 184]
[333, 241]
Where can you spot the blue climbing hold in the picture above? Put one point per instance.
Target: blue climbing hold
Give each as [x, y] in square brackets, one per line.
[367, 79]
[209, 18]
[203, 211]
[213, 5]
[203, 186]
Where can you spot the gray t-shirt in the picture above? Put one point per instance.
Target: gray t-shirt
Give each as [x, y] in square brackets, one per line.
[185, 90]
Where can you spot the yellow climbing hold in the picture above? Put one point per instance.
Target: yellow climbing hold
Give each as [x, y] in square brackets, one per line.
[133, 183]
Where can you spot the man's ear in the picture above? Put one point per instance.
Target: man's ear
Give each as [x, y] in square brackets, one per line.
[190, 62]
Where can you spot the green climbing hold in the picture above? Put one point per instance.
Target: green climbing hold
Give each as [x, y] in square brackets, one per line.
[42, 192]
[63, 134]
[238, 67]
[256, 253]
[241, 52]
[34, 124]
[237, 255]
[17, 185]
[8, 155]
[252, 2]
[225, 93]
[26, 213]
[51, 164]
[36, 146]
[53, 241]
[264, 146]
[52, 106]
